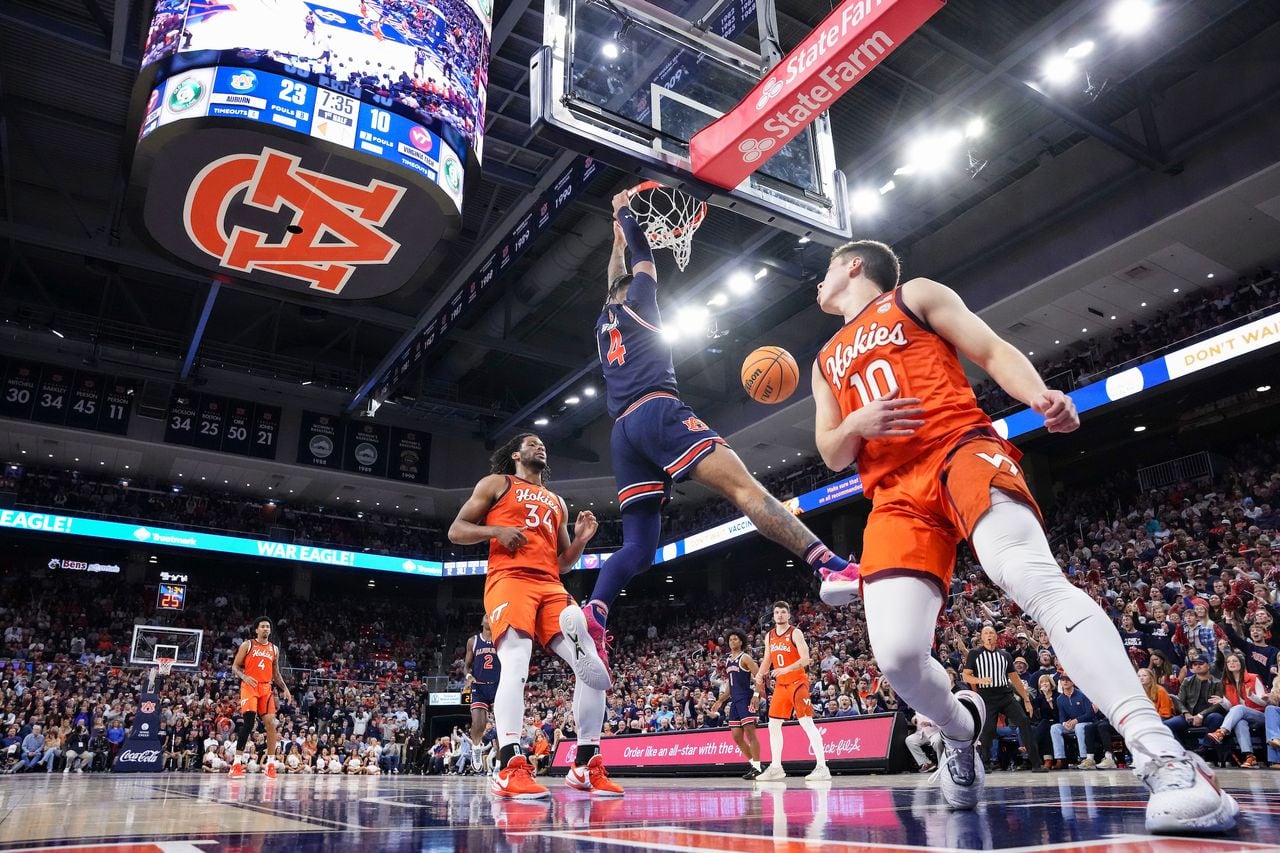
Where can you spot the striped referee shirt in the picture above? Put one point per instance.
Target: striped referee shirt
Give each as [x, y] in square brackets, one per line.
[995, 665]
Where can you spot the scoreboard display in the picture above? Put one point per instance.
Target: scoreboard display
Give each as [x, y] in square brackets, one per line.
[211, 422]
[78, 399]
[171, 596]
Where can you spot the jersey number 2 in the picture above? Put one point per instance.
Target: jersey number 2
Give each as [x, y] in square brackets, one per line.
[617, 352]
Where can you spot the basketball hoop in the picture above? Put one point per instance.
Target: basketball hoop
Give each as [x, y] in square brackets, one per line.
[668, 216]
[164, 665]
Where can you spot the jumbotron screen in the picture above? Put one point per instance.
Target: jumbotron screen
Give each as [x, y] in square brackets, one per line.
[425, 59]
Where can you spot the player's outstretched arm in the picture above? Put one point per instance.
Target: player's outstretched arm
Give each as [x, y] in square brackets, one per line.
[469, 527]
[944, 311]
[637, 242]
[618, 257]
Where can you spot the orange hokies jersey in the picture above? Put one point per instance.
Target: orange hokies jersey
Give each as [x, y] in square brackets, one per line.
[887, 347]
[782, 651]
[538, 512]
[260, 663]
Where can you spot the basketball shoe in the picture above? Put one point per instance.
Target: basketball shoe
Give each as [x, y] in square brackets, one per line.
[237, 770]
[840, 588]
[587, 664]
[598, 634]
[515, 782]
[821, 773]
[772, 773]
[593, 779]
[1185, 796]
[961, 771]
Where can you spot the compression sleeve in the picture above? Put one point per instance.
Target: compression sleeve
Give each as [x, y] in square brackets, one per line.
[637, 242]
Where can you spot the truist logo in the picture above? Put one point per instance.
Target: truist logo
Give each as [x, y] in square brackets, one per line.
[866, 339]
[139, 755]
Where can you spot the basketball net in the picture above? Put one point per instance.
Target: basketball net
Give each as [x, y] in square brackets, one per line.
[163, 667]
[668, 216]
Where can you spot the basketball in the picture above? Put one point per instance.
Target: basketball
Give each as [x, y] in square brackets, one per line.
[770, 375]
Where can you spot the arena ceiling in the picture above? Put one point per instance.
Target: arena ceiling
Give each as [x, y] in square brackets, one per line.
[1166, 163]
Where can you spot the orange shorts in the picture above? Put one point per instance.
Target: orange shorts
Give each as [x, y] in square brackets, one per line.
[921, 512]
[530, 604]
[791, 698]
[260, 700]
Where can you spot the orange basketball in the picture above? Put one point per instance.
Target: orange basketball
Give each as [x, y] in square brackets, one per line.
[770, 375]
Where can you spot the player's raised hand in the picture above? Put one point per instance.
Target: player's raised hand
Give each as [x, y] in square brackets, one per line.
[585, 526]
[620, 201]
[891, 416]
[1059, 411]
[511, 538]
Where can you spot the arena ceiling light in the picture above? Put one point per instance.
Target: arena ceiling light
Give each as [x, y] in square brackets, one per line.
[932, 152]
[541, 422]
[1210, 275]
[609, 50]
[887, 187]
[975, 127]
[589, 391]
[670, 334]
[573, 399]
[1139, 428]
[1059, 70]
[1129, 17]
[1081, 50]
[866, 202]
[692, 320]
[1262, 389]
[719, 300]
[741, 283]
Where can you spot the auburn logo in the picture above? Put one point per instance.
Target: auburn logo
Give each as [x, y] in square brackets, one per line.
[336, 227]
[694, 424]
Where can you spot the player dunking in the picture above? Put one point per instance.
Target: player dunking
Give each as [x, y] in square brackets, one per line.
[890, 394]
[786, 658]
[256, 665]
[739, 669]
[483, 669]
[658, 440]
[526, 526]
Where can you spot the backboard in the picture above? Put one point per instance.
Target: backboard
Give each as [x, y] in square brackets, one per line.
[158, 641]
[630, 83]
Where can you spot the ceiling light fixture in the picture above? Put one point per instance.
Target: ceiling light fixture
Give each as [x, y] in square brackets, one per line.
[1139, 428]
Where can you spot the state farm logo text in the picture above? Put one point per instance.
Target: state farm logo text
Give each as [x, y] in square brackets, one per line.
[337, 225]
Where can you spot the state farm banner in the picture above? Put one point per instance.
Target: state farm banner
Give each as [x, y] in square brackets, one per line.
[840, 51]
[866, 739]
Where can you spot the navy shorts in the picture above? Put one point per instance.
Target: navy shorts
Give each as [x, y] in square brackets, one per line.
[739, 715]
[656, 441]
[482, 695]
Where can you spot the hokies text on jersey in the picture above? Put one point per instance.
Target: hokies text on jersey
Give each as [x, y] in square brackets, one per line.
[865, 339]
[524, 495]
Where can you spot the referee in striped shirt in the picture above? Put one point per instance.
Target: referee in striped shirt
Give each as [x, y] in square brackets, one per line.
[990, 672]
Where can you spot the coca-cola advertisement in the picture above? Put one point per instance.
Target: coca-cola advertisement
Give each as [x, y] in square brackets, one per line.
[867, 742]
[142, 751]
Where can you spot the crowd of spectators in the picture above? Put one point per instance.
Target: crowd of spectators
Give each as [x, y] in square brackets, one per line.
[1198, 315]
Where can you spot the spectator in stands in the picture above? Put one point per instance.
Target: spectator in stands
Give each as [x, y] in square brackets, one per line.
[1201, 699]
[31, 752]
[1245, 698]
[1076, 716]
[1272, 716]
[52, 750]
[1157, 694]
[928, 734]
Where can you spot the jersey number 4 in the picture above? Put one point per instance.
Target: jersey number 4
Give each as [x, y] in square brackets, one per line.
[617, 352]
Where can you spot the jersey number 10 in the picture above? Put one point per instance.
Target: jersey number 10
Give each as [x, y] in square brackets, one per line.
[868, 384]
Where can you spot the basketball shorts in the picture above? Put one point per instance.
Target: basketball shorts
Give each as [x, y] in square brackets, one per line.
[482, 695]
[530, 604]
[658, 440]
[790, 698]
[740, 714]
[922, 511]
[260, 700]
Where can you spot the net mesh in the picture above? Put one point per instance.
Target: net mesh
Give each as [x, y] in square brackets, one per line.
[669, 218]
[164, 665]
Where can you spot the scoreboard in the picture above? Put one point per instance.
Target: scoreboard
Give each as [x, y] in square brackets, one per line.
[171, 596]
[211, 422]
[79, 399]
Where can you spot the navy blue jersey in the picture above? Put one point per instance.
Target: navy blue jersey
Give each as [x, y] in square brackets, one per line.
[635, 356]
[484, 661]
[740, 689]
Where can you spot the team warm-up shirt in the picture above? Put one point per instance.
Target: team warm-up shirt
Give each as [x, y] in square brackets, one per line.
[539, 512]
[635, 357]
[887, 347]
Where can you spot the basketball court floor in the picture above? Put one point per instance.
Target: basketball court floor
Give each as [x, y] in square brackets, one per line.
[1099, 812]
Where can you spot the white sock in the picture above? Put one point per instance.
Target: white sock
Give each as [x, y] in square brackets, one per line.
[514, 651]
[1013, 551]
[775, 741]
[902, 646]
[754, 762]
[815, 740]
